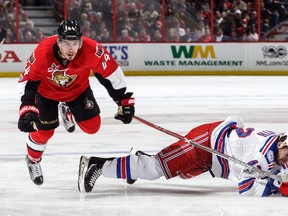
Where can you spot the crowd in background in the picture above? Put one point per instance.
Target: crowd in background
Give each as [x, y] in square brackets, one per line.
[23, 29]
[148, 21]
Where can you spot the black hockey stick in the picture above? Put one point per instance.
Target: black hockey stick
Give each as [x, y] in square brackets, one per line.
[2, 35]
[251, 169]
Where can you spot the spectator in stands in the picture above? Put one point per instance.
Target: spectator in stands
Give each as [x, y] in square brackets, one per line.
[253, 5]
[10, 37]
[39, 35]
[125, 37]
[218, 18]
[139, 5]
[9, 22]
[251, 34]
[225, 5]
[151, 14]
[239, 24]
[10, 6]
[94, 35]
[128, 25]
[28, 37]
[98, 20]
[239, 4]
[228, 23]
[2, 13]
[180, 30]
[180, 4]
[253, 18]
[219, 37]
[188, 36]
[107, 9]
[145, 24]
[29, 28]
[199, 29]
[181, 15]
[86, 28]
[157, 25]
[172, 35]
[87, 7]
[23, 18]
[133, 12]
[157, 36]
[83, 18]
[238, 18]
[106, 37]
[122, 15]
[207, 37]
[234, 37]
[74, 10]
[205, 10]
[103, 35]
[143, 36]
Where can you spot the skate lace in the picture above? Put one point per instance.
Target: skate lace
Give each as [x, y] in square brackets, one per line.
[36, 169]
[94, 176]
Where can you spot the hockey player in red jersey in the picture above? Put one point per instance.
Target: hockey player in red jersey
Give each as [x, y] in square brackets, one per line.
[261, 148]
[58, 71]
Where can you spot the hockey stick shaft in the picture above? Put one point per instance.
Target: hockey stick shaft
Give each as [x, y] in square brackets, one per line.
[213, 151]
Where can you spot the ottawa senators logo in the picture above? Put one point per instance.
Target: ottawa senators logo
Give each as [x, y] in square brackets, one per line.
[59, 77]
[88, 103]
[32, 58]
[99, 50]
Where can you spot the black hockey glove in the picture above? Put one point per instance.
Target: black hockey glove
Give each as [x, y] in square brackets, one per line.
[28, 118]
[126, 108]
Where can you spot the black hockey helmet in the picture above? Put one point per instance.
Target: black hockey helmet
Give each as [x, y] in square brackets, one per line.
[69, 30]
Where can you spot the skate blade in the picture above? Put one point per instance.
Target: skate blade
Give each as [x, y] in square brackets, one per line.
[83, 165]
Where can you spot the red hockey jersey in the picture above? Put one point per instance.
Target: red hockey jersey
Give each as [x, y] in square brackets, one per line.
[65, 83]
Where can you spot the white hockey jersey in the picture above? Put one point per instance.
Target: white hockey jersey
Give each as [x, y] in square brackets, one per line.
[257, 147]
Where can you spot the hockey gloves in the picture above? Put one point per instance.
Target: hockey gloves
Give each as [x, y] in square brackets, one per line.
[28, 118]
[126, 108]
[284, 188]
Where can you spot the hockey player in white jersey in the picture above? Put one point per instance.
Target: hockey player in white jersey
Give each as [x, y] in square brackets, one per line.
[264, 149]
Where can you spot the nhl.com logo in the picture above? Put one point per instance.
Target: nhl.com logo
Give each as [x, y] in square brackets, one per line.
[274, 52]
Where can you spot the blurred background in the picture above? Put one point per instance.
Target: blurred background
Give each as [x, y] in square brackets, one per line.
[149, 20]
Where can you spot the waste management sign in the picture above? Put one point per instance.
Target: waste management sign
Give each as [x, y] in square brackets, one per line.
[176, 59]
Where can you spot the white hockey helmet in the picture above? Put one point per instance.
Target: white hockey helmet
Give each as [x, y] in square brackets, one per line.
[283, 137]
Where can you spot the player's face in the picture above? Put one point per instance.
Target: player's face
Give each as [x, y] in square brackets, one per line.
[282, 156]
[69, 48]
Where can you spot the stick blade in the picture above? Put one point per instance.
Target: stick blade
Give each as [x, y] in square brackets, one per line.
[3, 33]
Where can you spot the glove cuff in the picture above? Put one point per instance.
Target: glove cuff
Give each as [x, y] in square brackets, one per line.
[284, 189]
[28, 108]
[128, 102]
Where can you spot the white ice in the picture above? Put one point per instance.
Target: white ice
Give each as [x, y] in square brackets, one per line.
[177, 103]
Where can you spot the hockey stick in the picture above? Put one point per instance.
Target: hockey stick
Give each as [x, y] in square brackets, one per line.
[2, 35]
[251, 169]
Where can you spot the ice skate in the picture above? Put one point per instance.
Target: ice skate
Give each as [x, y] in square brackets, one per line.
[35, 171]
[69, 125]
[90, 169]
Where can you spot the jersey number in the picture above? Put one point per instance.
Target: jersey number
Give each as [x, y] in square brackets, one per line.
[104, 63]
[244, 133]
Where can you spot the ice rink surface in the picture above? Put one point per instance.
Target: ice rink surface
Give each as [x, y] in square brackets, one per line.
[176, 103]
